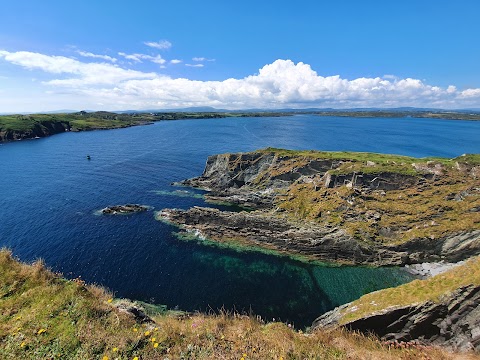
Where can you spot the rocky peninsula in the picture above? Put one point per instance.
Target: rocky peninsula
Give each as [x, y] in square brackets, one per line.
[351, 208]
[360, 209]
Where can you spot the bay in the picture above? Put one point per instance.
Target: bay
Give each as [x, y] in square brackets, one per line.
[50, 193]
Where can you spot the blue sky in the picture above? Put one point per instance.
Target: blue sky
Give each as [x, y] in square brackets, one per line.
[313, 53]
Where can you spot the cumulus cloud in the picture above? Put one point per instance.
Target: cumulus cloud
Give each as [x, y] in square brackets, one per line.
[162, 44]
[282, 83]
[195, 65]
[175, 61]
[96, 56]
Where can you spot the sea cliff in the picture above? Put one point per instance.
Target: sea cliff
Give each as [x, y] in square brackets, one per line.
[363, 209]
[355, 208]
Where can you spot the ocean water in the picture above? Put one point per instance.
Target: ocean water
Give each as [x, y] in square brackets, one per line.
[50, 193]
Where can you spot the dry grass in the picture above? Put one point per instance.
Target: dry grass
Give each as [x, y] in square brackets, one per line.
[414, 292]
[44, 316]
[430, 210]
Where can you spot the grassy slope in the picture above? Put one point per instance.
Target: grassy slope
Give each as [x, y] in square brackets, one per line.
[417, 291]
[45, 316]
[426, 211]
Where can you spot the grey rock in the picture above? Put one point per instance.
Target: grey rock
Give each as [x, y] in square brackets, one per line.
[454, 321]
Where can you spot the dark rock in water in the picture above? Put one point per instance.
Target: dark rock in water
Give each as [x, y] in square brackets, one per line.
[454, 321]
[124, 209]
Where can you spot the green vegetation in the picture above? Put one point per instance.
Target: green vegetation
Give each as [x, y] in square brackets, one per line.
[435, 197]
[28, 126]
[414, 292]
[44, 316]
[443, 115]
[13, 127]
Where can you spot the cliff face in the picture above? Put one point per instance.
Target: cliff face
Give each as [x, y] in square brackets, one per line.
[454, 321]
[40, 129]
[384, 211]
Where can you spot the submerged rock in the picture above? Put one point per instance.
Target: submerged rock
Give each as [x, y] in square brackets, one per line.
[124, 209]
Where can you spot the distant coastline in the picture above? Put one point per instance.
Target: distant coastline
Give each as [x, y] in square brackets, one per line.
[20, 127]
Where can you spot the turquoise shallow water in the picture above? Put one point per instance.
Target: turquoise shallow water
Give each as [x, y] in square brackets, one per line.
[51, 192]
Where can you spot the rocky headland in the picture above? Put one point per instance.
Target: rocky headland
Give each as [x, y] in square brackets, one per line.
[352, 208]
[362, 209]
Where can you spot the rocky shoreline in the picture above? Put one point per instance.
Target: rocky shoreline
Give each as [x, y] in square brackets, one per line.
[337, 208]
[266, 181]
[453, 321]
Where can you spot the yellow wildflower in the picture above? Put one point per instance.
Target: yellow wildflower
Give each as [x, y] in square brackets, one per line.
[155, 345]
[115, 349]
[244, 355]
[222, 337]
[156, 329]
[135, 358]
[23, 344]
[242, 358]
[105, 357]
[135, 329]
[147, 333]
[109, 300]
[153, 339]
[41, 331]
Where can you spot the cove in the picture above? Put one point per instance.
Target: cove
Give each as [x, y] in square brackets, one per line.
[51, 193]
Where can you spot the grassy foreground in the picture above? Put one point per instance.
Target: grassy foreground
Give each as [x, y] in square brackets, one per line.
[44, 316]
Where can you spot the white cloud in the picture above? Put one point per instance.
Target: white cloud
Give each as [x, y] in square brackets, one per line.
[470, 93]
[279, 84]
[85, 73]
[201, 59]
[157, 59]
[96, 56]
[195, 65]
[175, 61]
[162, 44]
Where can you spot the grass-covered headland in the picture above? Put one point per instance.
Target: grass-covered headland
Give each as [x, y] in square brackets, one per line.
[17, 127]
[44, 316]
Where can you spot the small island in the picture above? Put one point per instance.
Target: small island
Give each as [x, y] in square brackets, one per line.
[124, 209]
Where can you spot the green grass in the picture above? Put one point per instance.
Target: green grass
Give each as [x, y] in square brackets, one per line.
[43, 316]
[415, 292]
[82, 121]
[427, 210]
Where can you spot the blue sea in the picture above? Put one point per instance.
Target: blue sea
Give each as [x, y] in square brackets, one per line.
[51, 193]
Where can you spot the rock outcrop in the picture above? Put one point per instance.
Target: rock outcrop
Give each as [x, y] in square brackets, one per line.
[453, 321]
[341, 207]
[311, 241]
[124, 209]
